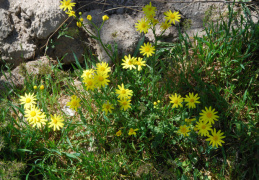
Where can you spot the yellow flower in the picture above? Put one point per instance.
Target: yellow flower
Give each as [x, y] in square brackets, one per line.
[79, 24]
[149, 9]
[101, 79]
[147, 49]
[176, 100]
[203, 128]
[172, 17]
[118, 133]
[89, 17]
[140, 63]
[209, 115]
[142, 25]
[74, 103]
[158, 101]
[132, 131]
[41, 87]
[56, 122]
[35, 87]
[28, 100]
[184, 130]
[107, 107]
[129, 62]
[103, 67]
[80, 13]
[32, 114]
[123, 93]
[88, 73]
[66, 5]
[105, 18]
[81, 19]
[125, 104]
[191, 100]
[155, 103]
[40, 120]
[165, 25]
[189, 121]
[216, 138]
[89, 83]
[71, 13]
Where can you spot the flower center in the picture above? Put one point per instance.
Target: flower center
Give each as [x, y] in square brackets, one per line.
[74, 103]
[90, 83]
[209, 114]
[175, 101]
[33, 113]
[147, 49]
[215, 138]
[102, 68]
[55, 121]
[107, 106]
[124, 103]
[150, 9]
[143, 25]
[183, 130]
[101, 78]
[203, 126]
[28, 100]
[172, 16]
[123, 92]
[130, 62]
[67, 3]
[192, 100]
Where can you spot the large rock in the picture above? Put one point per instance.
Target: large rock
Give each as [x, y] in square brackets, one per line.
[25, 22]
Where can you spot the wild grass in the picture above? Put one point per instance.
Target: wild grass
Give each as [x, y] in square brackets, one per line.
[220, 66]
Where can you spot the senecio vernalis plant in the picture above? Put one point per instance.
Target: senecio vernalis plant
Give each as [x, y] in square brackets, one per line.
[133, 106]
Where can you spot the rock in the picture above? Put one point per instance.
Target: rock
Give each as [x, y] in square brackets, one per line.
[16, 77]
[26, 22]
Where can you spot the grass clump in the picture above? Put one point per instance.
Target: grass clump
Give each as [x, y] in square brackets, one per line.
[167, 111]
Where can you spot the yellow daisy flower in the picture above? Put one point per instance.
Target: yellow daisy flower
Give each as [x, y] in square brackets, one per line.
[129, 62]
[147, 49]
[118, 133]
[209, 115]
[101, 79]
[203, 128]
[40, 120]
[89, 83]
[32, 114]
[107, 107]
[35, 87]
[81, 19]
[41, 87]
[71, 13]
[216, 138]
[125, 104]
[184, 130]
[140, 63]
[149, 9]
[165, 25]
[87, 73]
[176, 100]
[191, 100]
[56, 122]
[142, 25]
[28, 100]
[172, 17]
[123, 93]
[89, 17]
[66, 5]
[79, 24]
[74, 103]
[105, 18]
[132, 131]
[103, 67]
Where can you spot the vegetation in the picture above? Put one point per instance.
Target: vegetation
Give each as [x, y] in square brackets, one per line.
[185, 110]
